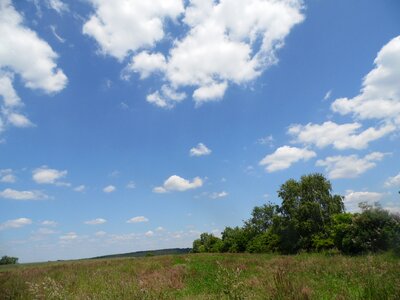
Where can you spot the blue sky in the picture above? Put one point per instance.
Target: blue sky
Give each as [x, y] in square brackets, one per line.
[129, 126]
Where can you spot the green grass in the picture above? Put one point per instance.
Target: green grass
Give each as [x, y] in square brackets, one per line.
[207, 276]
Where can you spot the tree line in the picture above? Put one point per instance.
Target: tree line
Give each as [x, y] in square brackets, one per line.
[310, 218]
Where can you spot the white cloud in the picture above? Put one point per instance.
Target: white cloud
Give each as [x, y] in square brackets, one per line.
[17, 223]
[131, 185]
[352, 199]
[211, 92]
[45, 175]
[69, 236]
[146, 63]
[379, 97]
[97, 221]
[19, 120]
[393, 181]
[160, 228]
[123, 26]
[340, 136]
[138, 219]
[149, 233]
[7, 176]
[284, 157]
[176, 183]
[200, 150]
[7, 91]
[109, 189]
[80, 188]
[23, 195]
[12, 103]
[38, 70]
[218, 195]
[349, 166]
[247, 33]
[49, 223]
[58, 6]
[166, 98]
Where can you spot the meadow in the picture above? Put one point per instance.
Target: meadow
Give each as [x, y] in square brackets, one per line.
[208, 276]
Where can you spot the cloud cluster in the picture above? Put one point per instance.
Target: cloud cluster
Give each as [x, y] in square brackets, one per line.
[353, 199]
[124, 26]
[379, 97]
[393, 181]
[38, 70]
[179, 184]
[226, 42]
[349, 166]
[340, 136]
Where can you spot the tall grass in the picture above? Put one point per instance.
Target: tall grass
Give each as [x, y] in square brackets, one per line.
[208, 276]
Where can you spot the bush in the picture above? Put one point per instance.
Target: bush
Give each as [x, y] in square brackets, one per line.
[8, 260]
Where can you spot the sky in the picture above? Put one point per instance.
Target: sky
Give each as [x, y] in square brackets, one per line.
[130, 125]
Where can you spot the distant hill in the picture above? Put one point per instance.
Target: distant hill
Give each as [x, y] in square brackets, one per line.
[147, 253]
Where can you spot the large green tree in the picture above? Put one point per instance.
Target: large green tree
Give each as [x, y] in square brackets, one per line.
[307, 209]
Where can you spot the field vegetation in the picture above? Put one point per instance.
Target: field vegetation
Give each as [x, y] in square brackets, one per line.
[208, 276]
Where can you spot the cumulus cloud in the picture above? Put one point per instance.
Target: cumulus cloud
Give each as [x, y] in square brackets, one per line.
[17, 223]
[97, 221]
[139, 219]
[123, 26]
[179, 184]
[38, 70]
[393, 181]
[284, 157]
[340, 136]
[349, 166]
[352, 199]
[379, 97]
[109, 189]
[218, 33]
[200, 150]
[23, 195]
[7, 176]
[45, 175]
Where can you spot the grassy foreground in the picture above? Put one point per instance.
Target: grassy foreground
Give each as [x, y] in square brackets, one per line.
[207, 276]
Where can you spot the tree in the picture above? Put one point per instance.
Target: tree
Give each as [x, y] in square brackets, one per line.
[207, 243]
[262, 218]
[8, 260]
[306, 212]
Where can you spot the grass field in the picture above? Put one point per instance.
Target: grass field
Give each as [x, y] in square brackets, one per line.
[207, 276]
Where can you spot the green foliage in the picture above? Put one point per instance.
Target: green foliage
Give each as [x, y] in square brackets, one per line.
[8, 260]
[207, 243]
[372, 230]
[310, 218]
